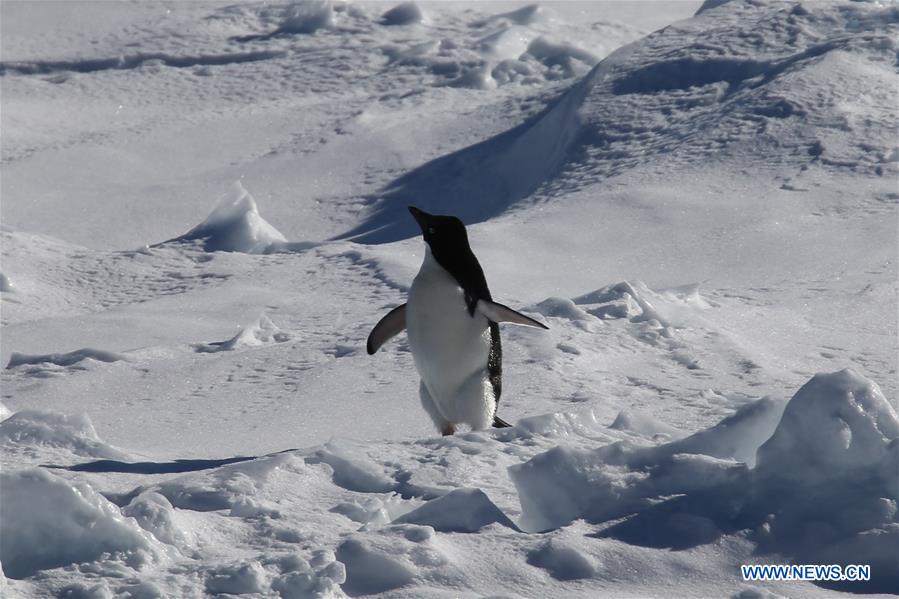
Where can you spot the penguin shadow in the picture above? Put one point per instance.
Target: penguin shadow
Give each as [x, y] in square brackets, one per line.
[173, 467]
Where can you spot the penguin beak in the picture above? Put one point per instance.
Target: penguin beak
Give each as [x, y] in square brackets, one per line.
[421, 217]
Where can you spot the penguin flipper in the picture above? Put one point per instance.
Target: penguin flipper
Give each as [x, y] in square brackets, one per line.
[500, 313]
[392, 324]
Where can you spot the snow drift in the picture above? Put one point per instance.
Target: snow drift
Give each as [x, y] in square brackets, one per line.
[824, 488]
[735, 94]
[75, 434]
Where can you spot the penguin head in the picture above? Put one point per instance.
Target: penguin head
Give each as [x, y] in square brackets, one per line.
[445, 235]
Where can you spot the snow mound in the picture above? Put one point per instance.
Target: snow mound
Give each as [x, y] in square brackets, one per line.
[708, 89]
[64, 359]
[824, 488]
[237, 579]
[751, 592]
[507, 43]
[260, 332]
[406, 13]
[372, 570]
[320, 576]
[710, 4]
[307, 17]
[235, 487]
[644, 424]
[562, 307]
[155, 514]
[622, 300]
[659, 312]
[562, 561]
[293, 577]
[829, 478]
[737, 436]
[74, 433]
[839, 421]
[49, 523]
[375, 510]
[563, 60]
[461, 510]
[352, 471]
[526, 15]
[395, 556]
[563, 424]
[235, 226]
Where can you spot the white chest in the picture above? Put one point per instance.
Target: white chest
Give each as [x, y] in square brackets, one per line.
[448, 344]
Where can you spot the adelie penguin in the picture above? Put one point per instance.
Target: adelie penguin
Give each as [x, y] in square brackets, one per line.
[453, 328]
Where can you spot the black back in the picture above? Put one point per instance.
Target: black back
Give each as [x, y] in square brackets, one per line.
[448, 240]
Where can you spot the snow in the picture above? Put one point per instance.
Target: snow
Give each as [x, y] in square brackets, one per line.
[235, 226]
[562, 562]
[698, 198]
[405, 13]
[307, 17]
[460, 510]
[74, 433]
[259, 332]
[48, 523]
[838, 421]
[834, 447]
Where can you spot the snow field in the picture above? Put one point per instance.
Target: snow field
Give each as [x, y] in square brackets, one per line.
[705, 220]
[682, 494]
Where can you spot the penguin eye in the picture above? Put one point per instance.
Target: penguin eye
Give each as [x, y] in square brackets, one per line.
[431, 230]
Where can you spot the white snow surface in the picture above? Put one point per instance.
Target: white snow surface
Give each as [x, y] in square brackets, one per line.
[701, 208]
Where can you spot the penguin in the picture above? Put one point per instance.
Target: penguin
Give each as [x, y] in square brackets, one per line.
[452, 324]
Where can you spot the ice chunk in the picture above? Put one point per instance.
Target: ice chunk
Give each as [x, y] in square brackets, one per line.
[460, 510]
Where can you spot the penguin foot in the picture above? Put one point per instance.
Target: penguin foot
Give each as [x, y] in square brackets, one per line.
[448, 430]
[500, 423]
